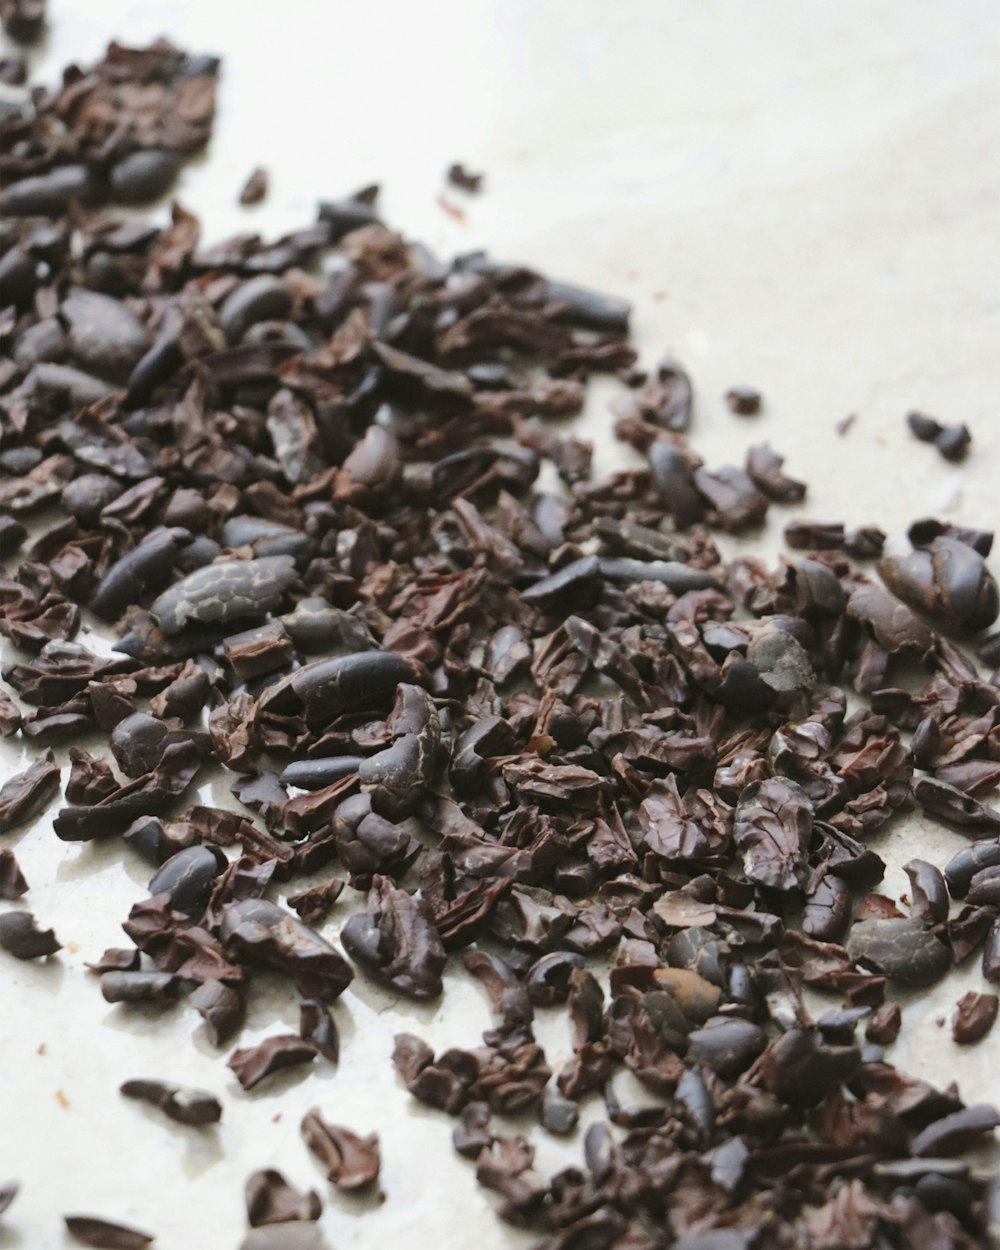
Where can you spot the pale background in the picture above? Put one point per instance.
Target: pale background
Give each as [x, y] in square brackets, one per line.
[798, 196]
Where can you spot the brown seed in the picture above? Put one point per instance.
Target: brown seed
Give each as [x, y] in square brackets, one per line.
[975, 1015]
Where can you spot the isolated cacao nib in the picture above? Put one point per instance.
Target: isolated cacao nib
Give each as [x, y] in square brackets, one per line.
[90, 1230]
[270, 1199]
[949, 582]
[975, 1015]
[22, 797]
[186, 1106]
[351, 1162]
[21, 937]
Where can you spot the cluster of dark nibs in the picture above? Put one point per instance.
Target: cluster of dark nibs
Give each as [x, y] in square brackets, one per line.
[526, 729]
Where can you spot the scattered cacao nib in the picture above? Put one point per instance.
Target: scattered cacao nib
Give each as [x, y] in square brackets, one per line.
[23, 20]
[91, 1230]
[923, 427]
[285, 1050]
[395, 940]
[743, 400]
[948, 581]
[21, 937]
[954, 807]
[925, 530]
[764, 469]
[139, 987]
[12, 882]
[954, 1133]
[316, 1025]
[116, 959]
[313, 905]
[255, 188]
[186, 1106]
[271, 1199]
[975, 1015]
[261, 932]
[351, 1162]
[221, 1007]
[28, 793]
[884, 1024]
[953, 442]
[901, 949]
[460, 177]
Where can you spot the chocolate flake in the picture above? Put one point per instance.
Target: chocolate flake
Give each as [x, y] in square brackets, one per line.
[285, 1050]
[91, 1230]
[350, 1161]
[21, 937]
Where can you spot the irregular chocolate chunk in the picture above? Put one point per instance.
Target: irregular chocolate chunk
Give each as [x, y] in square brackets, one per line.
[395, 940]
[139, 987]
[91, 1230]
[954, 807]
[23, 796]
[186, 1106]
[316, 1025]
[12, 882]
[884, 1024]
[229, 590]
[21, 937]
[253, 1064]
[948, 581]
[8, 1192]
[901, 949]
[313, 905]
[764, 469]
[954, 1133]
[460, 177]
[351, 1162]
[743, 400]
[271, 1199]
[975, 1015]
[261, 932]
[923, 427]
[221, 1007]
[953, 442]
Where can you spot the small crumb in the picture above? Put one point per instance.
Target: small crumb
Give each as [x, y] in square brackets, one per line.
[844, 425]
[464, 179]
[72, 947]
[451, 209]
[276, 1117]
[61, 1099]
[743, 400]
[880, 440]
[42, 1049]
[658, 296]
[940, 1022]
[255, 187]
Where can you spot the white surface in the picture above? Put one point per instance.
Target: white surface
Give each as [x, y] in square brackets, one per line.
[799, 196]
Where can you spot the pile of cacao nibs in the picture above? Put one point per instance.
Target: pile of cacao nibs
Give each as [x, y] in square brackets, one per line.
[547, 735]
